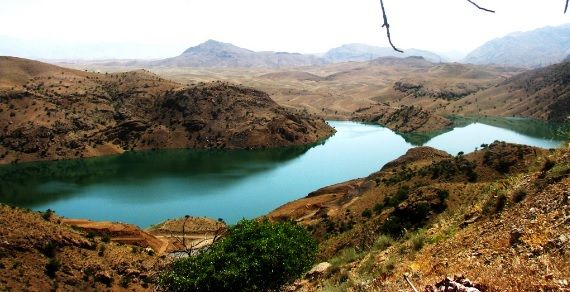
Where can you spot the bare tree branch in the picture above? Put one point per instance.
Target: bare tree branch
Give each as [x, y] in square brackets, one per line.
[387, 26]
[484, 9]
[566, 7]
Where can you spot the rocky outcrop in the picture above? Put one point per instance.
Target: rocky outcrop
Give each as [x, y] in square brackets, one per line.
[404, 119]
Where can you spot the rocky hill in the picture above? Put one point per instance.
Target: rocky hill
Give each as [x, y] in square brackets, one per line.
[540, 94]
[217, 54]
[498, 217]
[48, 112]
[362, 52]
[537, 48]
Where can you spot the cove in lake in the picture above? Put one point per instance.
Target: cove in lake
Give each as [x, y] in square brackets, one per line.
[144, 188]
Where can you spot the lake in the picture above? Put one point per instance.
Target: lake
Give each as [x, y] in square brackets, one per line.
[145, 188]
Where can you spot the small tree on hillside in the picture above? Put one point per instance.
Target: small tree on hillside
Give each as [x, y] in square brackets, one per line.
[254, 256]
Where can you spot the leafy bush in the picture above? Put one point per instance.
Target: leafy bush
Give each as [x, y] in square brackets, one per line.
[254, 256]
[367, 213]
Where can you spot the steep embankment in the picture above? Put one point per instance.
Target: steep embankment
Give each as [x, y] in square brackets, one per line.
[49, 112]
[499, 216]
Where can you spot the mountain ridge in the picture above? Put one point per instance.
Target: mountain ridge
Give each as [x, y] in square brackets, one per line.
[530, 49]
[364, 52]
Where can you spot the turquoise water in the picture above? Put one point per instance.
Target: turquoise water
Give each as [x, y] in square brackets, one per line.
[145, 188]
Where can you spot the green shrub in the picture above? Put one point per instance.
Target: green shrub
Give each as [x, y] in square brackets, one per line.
[418, 240]
[501, 203]
[253, 256]
[548, 164]
[442, 194]
[47, 214]
[106, 238]
[345, 256]
[90, 234]
[519, 195]
[378, 208]
[495, 204]
[52, 266]
[382, 242]
[49, 249]
[101, 250]
[367, 213]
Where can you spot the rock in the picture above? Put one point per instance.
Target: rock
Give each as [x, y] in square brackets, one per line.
[515, 236]
[319, 269]
[563, 238]
[104, 277]
[132, 272]
[457, 284]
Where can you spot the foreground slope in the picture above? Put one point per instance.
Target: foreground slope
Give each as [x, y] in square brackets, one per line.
[499, 216]
[38, 252]
[49, 112]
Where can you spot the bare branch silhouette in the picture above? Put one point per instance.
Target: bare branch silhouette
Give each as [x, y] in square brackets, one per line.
[387, 26]
[482, 8]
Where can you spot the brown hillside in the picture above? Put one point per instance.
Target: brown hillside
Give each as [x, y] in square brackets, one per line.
[498, 215]
[336, 91]
[38, 252]
[541, 94]
[48, 112]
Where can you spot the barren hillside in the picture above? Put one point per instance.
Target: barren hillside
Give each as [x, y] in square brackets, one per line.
[49, 112]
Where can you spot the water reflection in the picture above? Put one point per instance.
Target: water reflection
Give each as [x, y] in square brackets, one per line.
[32, 184]
[148, 187]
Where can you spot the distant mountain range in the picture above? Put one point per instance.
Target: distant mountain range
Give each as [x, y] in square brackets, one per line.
[362, 52]
[532, 49]
[217, 54]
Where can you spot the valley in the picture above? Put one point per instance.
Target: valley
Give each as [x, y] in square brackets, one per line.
[226, 168]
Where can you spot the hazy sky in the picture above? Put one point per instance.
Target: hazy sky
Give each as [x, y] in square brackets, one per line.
[307, 26]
